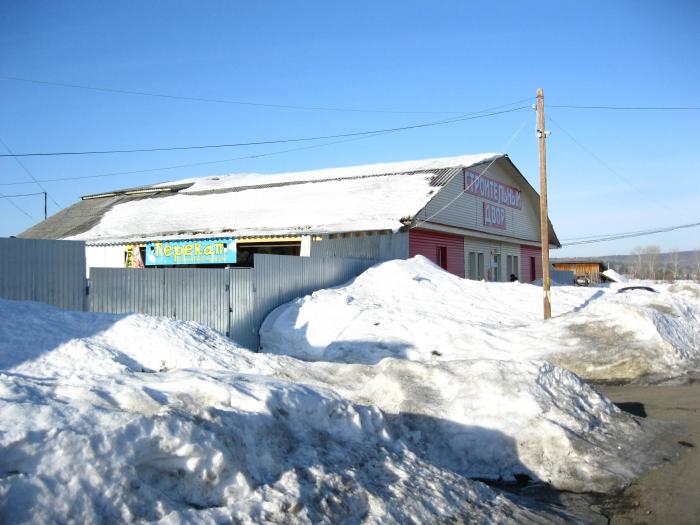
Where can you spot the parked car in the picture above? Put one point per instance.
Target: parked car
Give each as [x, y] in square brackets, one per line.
[630, 288]
[582, 280]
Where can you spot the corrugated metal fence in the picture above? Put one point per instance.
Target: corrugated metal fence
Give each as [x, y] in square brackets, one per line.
[189, 294]
[51, 272]
[561, 276]
[233, 302]
[281, 278]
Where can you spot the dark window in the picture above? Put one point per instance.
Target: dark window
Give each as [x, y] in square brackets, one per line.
[442, 257]
[533, 271]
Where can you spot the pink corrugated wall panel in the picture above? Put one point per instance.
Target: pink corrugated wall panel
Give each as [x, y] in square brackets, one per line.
[525, 266]
[426, 243]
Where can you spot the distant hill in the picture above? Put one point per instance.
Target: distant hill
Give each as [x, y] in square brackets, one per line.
[684, 258]
[688, 264]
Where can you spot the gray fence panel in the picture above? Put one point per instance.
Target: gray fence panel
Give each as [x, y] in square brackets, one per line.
[281, 278]
[43, 270]
[242, 326]
[233, 302]
[562, 276]
[267, 286]
[189, 294]
[200, 295]
[393, 246]
[124, 290]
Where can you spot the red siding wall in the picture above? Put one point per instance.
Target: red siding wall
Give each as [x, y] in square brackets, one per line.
[525, 253]
[426, 243]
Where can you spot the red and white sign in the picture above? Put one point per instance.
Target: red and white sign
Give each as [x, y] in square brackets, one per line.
[494, 216]
[492, 190]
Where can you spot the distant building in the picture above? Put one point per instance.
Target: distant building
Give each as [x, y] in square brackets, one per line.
[474, 215]
[591, 268]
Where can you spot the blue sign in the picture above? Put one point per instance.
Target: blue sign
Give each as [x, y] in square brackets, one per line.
[202, 251]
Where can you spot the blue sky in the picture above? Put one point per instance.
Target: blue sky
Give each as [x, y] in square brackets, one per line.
[412, 57]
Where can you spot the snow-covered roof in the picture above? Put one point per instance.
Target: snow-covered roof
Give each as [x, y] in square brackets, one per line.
[243, 180]
[367, 197]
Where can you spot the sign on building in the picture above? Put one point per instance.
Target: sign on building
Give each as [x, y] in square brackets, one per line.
[201, 251]
[492, 190]
[494, 216]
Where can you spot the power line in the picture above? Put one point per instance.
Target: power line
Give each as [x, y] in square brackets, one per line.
[143, 93]
[598, 236]
[22, 210]
[629, 108]
[604, 164]
[177, 166]
[3, 196]
[264, 142]
[628, 235]
[483, 173]
[31, 175]
[230, 101]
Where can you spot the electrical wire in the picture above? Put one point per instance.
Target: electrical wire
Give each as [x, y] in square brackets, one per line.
[476, 179]
[629, 235]
[235, 102]
[194, 164]
[22, 210]
[628, 108]
[31, 175]
[265, 142]
[606, 165]
[2, 196]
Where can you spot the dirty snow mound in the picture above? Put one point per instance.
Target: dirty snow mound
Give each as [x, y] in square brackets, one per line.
[498, 420]
[111, 418]
[631, 335]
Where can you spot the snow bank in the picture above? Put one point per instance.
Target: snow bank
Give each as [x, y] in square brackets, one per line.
[497, 420]
[111, 418]
[414, 310]
[630, 336]
[614, 276]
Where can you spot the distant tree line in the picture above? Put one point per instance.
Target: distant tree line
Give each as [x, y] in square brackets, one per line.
[647, 262]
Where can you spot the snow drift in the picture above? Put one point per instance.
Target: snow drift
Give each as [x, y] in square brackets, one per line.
[135, 418]
[414, 310]
[499, 420]
[100, 425]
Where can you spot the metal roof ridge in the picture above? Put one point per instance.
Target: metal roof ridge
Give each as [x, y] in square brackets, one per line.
[232, 189]
[139, 190]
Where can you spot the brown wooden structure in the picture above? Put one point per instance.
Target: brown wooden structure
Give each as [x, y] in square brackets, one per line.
[592, 269]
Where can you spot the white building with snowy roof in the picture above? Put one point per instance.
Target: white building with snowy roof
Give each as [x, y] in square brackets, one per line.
[474, 215]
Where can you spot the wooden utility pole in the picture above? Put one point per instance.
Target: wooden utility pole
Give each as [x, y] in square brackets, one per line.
[44, 205]
[544, 223]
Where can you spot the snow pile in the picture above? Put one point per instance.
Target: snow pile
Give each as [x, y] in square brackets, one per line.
[689, 290]
[414, 310]
[131, 418]
[631, 335]
[498, 420]
[111, 418]
[613, 276]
